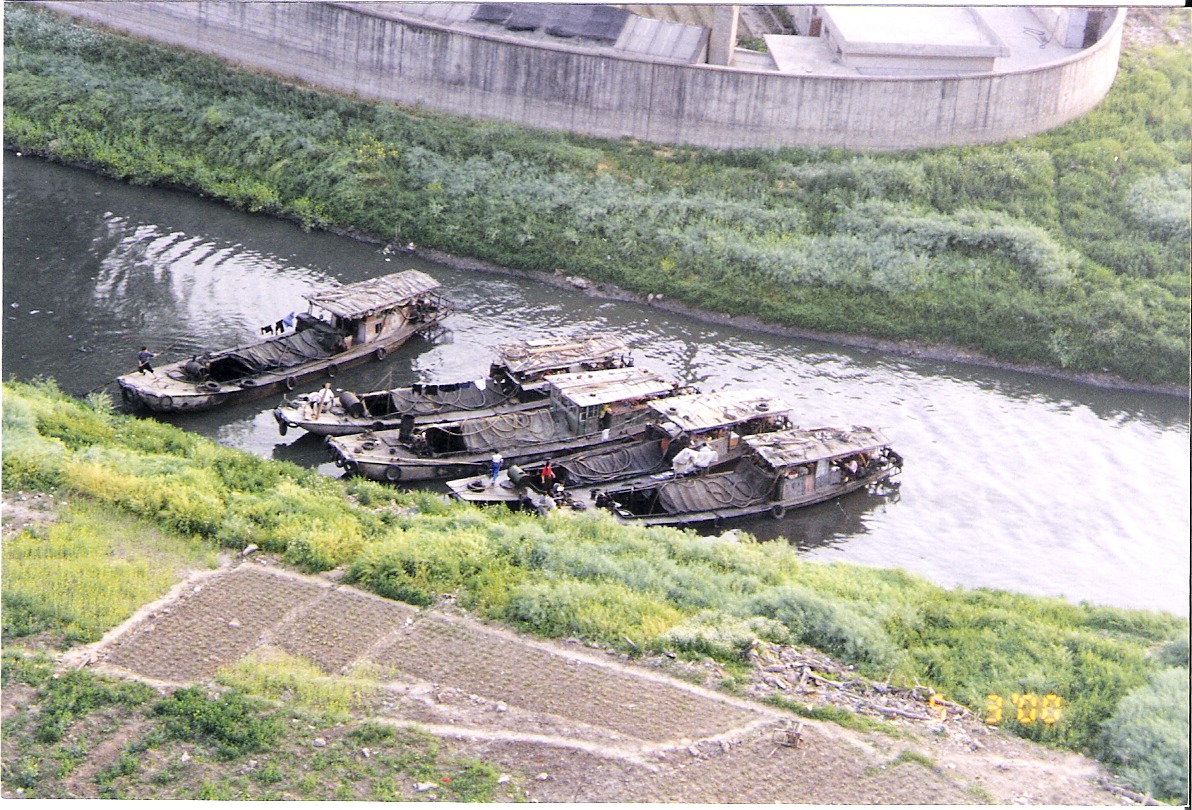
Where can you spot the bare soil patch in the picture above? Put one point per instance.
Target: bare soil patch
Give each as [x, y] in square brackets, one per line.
[22, 510]
[572, 723]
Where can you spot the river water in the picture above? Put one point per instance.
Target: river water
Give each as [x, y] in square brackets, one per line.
[1011, 481]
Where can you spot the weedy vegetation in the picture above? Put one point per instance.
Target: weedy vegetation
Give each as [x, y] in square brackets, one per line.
[1069, 249]
[630, 588]
[228, 745]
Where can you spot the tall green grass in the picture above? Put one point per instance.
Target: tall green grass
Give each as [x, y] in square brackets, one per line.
[1068, 249]
[633, 588]
[275, 675]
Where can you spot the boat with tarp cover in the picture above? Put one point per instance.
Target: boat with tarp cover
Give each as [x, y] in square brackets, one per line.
[342, 327]
[515, 382]
[777, 472]
[694, 431]
[586, 409]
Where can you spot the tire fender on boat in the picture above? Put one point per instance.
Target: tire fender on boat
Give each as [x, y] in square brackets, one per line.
[209, 386]
[167, 402]
[381, 353]
[778, 511]
[248, 382]
[290, 383]
[332, 369]
[393, 473]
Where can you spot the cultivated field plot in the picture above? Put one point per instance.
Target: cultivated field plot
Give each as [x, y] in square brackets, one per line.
[215, 623]
[539, 680]
[447, 669]
[339, 627]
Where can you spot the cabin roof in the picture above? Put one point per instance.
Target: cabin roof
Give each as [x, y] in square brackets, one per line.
[786, 448]
[606, 386]
[373, 295]
[695, 412]
[543, 354]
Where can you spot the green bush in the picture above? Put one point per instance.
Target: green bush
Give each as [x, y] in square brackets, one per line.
[1147, 736]
[605, 612]
[826, 624]
[20, 666]
[231, 722]
[75, 694]
[721, 636]
[1174, 654]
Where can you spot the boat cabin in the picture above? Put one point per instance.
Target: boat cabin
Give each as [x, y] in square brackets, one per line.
[372, 311]
[592, 401]
[582, 404]
[525, 364]
[805, 461]
[719, 419]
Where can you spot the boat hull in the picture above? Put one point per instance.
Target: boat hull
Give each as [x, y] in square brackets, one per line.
[164, 392]
[338, 424]
[775, 508]
[370, 458]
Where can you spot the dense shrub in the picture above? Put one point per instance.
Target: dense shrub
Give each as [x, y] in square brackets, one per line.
[722, 636]
[825, 624]
[1147, 736]
[78, 693]
[231, 722]
[605, 612]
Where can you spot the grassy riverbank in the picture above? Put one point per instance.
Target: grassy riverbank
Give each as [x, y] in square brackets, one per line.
[1069, 249]
[156, 487]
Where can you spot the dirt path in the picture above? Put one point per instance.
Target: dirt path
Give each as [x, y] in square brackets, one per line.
[571, 722]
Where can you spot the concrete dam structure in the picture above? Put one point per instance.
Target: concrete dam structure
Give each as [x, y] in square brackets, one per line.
[875, 78]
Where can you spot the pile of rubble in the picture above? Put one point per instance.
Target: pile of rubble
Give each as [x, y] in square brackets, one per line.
[811, 677]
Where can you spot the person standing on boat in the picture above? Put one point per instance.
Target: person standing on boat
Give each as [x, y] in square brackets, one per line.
[495, 467]
[143, 358]
[548, 476]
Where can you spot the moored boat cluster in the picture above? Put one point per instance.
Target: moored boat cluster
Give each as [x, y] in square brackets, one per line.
[558, 422]
[573, 423]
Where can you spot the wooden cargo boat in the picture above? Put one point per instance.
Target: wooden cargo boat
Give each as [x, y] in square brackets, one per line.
[343, 327]
[515, 382]
[586, 409]
[779, 471]
[697, 431]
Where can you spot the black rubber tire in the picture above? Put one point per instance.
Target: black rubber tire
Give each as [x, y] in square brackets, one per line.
[290, 383]
[392, 473]
[778, 511]
[381, 353]
[332, 370]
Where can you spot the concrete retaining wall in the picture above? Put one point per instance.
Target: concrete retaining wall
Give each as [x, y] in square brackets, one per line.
[371, 52]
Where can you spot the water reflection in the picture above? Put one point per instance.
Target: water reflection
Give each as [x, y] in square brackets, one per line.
[1011, 481]
[826, 525]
